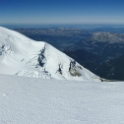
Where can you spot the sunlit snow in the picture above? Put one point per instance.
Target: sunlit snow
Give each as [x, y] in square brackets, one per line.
[22, 56]
[40, 101]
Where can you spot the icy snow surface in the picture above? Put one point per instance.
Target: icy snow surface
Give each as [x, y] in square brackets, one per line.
[25, 100]
[22, 56]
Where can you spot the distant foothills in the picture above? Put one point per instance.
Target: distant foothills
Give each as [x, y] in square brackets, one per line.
[101, 50]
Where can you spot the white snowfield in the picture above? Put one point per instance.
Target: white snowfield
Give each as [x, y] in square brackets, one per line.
[23, 56]
[26, 100]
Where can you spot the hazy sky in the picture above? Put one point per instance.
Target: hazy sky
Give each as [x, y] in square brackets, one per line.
[61, 11]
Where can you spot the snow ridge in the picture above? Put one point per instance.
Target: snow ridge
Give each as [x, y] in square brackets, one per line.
[23, 56]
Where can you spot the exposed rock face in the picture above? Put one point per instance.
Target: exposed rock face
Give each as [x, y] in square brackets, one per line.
[72, 69]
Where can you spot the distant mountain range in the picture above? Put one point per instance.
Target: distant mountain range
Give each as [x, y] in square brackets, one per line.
[118, 30]
[104, 44]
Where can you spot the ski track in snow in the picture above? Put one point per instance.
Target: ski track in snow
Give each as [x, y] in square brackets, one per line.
[39, 101]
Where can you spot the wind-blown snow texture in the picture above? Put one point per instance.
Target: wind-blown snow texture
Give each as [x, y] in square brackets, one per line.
[35, 101]
[22, 56]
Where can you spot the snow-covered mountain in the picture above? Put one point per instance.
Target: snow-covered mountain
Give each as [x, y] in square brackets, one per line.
[20, 55]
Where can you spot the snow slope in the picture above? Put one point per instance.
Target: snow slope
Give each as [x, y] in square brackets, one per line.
[22, 56]
[35, 101]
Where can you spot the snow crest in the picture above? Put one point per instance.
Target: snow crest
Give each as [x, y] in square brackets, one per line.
[23, 56]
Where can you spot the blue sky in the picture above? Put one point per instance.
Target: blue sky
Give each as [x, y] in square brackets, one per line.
[61, 11]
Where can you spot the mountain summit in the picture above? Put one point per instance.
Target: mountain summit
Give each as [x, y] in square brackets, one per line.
[22, 56]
